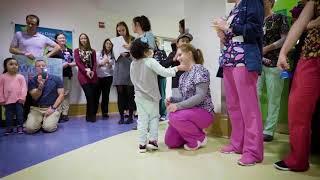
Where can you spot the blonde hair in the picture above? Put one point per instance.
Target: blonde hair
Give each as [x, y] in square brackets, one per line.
[196, 53]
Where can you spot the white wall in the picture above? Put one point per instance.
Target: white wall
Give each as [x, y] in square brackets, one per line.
[199, 17]
[83, 16]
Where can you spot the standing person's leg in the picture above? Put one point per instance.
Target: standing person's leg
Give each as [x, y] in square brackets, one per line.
[274, 91]
[121, 102]
[315, 131]
[162, 82]
[143, 122]
[19, 115]
[130, 95]
[9, 111]
[233, 106]
[67, 84]
[105, 96]
[304, 94]
[99, 91]
[246, 84]
[153, 109]
[89, 91]
[34, 121]
[261, 84]
[190, 124]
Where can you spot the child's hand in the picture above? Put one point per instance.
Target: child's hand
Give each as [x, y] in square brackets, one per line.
[172, 108]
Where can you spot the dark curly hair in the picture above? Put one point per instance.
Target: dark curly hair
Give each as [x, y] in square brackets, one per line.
[138, 48]
[143, 21]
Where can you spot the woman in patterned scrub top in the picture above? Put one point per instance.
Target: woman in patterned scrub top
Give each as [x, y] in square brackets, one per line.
[191, 111]
[241, 56]
[305, 90]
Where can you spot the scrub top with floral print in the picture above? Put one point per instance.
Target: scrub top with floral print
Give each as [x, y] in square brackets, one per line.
[188, 82]
[232, 52]
[274, 26]
[311, 48]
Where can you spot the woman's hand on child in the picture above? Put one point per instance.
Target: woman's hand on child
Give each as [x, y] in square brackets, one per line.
[172, 107]
[183, 67]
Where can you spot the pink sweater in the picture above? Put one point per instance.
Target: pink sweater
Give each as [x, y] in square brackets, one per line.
[12, 88]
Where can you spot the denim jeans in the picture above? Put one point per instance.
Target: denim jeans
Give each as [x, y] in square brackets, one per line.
[11, 110]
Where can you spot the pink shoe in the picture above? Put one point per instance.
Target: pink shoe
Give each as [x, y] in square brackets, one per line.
[228, 149]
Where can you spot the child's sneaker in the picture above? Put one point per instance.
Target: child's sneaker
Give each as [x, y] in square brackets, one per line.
[152, 145]
[8, 131]
[20, 130]
[142, 148]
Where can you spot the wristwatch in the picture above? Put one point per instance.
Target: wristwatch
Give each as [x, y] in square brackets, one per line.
[53, 108]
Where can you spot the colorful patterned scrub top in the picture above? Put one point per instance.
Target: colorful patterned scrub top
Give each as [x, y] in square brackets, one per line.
[232, 53]
[311, 48]
[274, 26]
[188, 82]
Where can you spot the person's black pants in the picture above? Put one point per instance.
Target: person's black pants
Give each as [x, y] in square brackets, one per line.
[90, 91]
[104, 85]
[125, 99]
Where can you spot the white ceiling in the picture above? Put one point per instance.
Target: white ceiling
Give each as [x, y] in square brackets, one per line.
[139, 7]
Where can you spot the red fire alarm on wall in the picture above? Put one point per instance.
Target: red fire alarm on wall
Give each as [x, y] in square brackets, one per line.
[101, 25]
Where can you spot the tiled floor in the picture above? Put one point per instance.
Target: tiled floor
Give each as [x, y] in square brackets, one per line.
[21, 151]
[117, 157]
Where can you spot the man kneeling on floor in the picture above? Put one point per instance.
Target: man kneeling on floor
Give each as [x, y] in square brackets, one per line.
[47, 94]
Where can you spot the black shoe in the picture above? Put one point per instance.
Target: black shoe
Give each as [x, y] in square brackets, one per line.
[267, 138]
[281, 165]
[129, 121]
[91, 119]
[142, 148]
[63, 118]
[121, 121]
[20, 130]
[105, 116]
[152, 145]
[135, 127]
[8, 131]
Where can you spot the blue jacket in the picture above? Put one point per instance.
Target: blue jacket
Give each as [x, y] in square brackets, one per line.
[251, 16]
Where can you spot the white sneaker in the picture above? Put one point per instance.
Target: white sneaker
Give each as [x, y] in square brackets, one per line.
[204, 142]
[186, 147]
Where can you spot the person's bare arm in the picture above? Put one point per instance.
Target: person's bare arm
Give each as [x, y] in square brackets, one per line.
[56, 49]
[295, 32]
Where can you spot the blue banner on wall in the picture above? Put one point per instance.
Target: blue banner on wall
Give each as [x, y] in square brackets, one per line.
[27, 66]
[50, 33]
